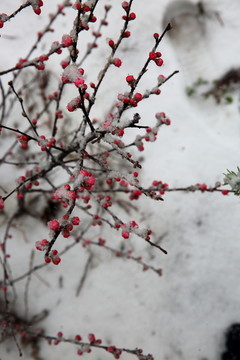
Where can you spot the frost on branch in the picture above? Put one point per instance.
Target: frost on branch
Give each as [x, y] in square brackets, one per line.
[72, 73]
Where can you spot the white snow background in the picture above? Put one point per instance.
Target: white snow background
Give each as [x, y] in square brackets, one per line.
[184, 313]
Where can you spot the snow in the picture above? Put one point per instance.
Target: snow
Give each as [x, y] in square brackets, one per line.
[184, 313]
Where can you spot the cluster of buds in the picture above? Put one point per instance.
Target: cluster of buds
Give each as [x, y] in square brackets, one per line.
[132, 227]
[59, 114]
[162, 118]
[85, 198]
[21, 189]
[80, 83]
[23, 140]
[59, 338]
[126, 228]
[68, 224]
[64, 194]
[40, 62]
[123, 183]
[96, 34]
[151, 134]
[36, 5]
[134, 178]
[107, 125]
[85, 19]
[118, 132]
[46, 143]
[53, 257]
[86, 348]
[159, 186]
[96, 220]
[135, 194]
[92, 339]
[86, 180]
[42, 245]
[73, 74]
[28, 185]
[156, 57]
[119, 143]
[114, 351]
[124, 99]
[101, 241]
[129, 17]
[105, 201]
[21, 62]
[103, 158]
[131, 101]
[139, 353]
[83, 7]
[53, 96]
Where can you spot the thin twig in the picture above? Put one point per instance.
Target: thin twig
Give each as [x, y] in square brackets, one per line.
[26, 292]
[23, 108]
[84, 275]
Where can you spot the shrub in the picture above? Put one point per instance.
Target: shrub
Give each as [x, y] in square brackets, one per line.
[76, 175]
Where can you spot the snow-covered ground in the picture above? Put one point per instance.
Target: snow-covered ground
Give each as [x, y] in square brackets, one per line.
[184, 313]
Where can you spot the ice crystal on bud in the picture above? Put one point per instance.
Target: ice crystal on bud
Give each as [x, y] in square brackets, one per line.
[54, 225]
[161, 79]
[64, 194]
[233, 179]
[84, 348]
[74, 104]
[138, 142]
[55, 46]
[72, 73]
[84, 20]
[36, 4]
[106, 125]
[3, 18]
[125, 5]
[42, 245]
[87, 180]
[67, 40]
